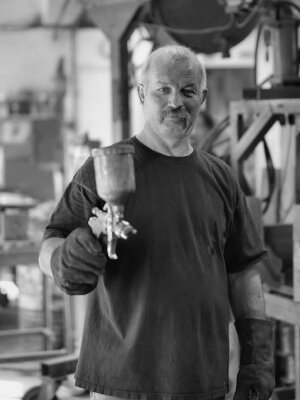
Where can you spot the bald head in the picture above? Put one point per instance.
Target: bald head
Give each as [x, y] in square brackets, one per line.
[173, 54]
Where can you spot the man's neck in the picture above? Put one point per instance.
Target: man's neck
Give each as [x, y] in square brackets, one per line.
[176, 147]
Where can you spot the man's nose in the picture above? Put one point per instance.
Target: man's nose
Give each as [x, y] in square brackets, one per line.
[175, 99]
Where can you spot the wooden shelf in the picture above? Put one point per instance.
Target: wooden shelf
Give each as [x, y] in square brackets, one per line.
[19, 252]
[282, 308]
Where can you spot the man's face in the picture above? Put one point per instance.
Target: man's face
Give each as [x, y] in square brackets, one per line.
[171, 96]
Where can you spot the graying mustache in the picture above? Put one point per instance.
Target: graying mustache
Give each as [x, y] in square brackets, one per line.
[178, 114]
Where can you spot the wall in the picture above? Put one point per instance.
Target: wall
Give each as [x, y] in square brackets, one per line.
[29, 60]
[94, 84]
[226, 85]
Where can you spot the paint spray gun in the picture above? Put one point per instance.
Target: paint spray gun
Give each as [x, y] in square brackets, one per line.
[115, 180]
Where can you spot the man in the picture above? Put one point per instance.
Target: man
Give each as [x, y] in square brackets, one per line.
[157, 318]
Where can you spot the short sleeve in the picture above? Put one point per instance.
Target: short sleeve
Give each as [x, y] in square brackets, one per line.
[244, 246]
[75, 206]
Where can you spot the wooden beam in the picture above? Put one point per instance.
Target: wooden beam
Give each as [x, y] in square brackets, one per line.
[282, 308]
[255, 133]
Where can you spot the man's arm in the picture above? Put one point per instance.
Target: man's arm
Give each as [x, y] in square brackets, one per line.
[47, 249]
[76, 262]
[255, 332]
[246, 294]
[50, 245]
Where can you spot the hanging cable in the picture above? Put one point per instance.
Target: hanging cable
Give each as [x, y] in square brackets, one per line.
[184, 31]
[289, 3]
[286, 164]
[247, 19]
[271, 173]
[259, 31]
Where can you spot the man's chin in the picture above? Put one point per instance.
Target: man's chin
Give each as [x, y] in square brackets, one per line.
[178, 133]
[175, 121]
[177, 127]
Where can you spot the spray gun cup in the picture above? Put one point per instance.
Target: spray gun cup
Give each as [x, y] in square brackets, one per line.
[115, 180]
[114, 173]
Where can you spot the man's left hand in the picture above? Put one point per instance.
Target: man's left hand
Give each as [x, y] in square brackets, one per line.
[254, 385]
[255, 379]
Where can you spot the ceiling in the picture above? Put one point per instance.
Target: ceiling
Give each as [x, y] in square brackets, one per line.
[22, 14]
[18, 14]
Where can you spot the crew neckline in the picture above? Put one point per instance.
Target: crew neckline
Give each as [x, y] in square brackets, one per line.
[164, 156]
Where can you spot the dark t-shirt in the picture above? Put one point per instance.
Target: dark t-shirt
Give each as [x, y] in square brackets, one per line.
[157, 324]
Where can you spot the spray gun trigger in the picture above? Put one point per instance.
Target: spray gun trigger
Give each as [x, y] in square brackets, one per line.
[253, 395]
[98, 222]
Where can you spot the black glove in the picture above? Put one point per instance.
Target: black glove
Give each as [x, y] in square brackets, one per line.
[78, 263]
[256, 373]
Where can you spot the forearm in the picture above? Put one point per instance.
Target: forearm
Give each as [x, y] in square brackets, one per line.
[46, 252]
[51, 244]
[246, 294]
[255, 332]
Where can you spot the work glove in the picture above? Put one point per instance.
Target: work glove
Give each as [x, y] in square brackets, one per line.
[255, 379]
[78, 263]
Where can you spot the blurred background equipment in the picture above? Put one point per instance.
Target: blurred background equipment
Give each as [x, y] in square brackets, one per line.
[207, 26]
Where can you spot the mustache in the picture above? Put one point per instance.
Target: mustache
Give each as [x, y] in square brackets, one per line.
[177, 113]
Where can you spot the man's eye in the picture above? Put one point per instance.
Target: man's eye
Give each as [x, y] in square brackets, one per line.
[163, 89]
[188, 92]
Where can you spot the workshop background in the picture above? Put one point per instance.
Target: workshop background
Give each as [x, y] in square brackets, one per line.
[68, 74]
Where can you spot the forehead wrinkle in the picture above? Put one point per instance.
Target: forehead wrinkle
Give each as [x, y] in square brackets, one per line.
[186, 81]
[172, 54]
[163, 82]
[165, 71]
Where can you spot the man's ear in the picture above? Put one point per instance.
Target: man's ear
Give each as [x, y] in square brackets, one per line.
[204, 94]
[140, 89]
